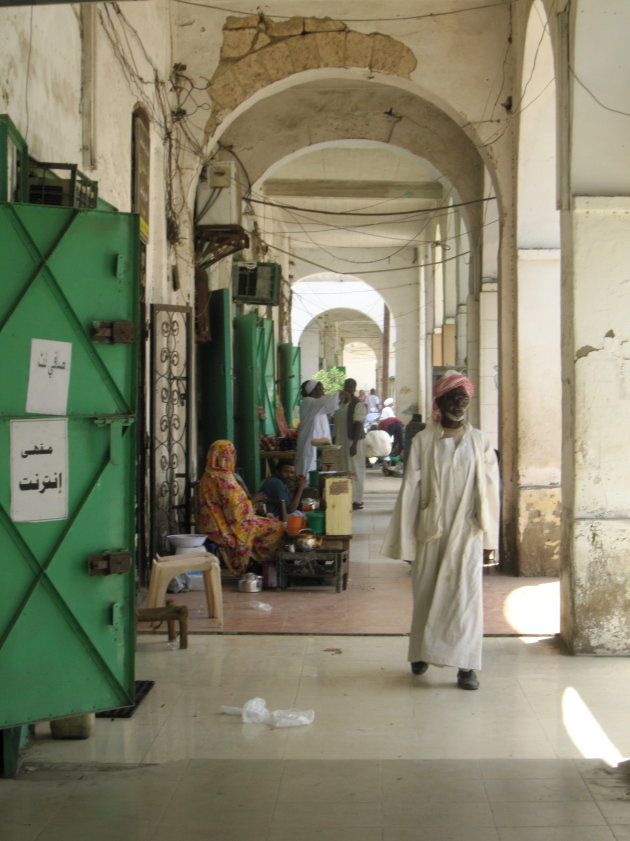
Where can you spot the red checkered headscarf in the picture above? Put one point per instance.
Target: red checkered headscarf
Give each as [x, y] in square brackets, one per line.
[450, 380]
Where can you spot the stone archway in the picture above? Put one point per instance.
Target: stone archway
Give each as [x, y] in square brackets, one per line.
[258, 51]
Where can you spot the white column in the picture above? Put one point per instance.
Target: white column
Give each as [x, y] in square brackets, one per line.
[487, 378]
[539, 411]
[596, 419]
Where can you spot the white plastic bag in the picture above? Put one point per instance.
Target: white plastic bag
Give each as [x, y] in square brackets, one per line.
[255, 711]
[292, 718]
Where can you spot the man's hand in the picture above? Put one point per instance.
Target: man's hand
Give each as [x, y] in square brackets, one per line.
[301, 481]
[353, 448]
[259, 497]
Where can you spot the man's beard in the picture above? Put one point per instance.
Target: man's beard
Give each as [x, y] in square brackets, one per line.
[455, 418]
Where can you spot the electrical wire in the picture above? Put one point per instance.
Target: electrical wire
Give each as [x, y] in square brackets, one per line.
[402, 18]
[353, 213]
[595, 98]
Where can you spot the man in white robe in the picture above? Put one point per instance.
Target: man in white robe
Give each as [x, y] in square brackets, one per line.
[446, 521]
[314, 408]
[350, 434]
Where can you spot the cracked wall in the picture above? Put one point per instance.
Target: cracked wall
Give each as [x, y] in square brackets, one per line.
[257, 51]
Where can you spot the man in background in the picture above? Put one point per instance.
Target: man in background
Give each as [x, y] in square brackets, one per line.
[350, 434]
[282, 487]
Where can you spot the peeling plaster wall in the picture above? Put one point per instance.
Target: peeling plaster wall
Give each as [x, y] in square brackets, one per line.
[596, 366]
[41, 90]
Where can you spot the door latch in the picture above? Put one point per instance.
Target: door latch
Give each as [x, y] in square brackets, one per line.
[109, 563]
[113, 332]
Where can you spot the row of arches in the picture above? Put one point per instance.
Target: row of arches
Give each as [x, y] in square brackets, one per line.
[482, 274]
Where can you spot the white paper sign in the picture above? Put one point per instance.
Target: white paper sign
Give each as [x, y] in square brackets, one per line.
[39, 470]
[48, 377]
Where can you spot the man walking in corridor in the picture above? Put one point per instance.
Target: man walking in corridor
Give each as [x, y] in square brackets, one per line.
[350, 434]
[445, 521]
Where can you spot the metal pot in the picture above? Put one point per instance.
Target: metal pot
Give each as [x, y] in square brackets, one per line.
[307, 540]
[250, 583]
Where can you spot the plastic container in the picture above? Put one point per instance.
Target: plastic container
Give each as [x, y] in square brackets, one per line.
[313, 478]
[186, 540]
[316, 521]
[295, 522]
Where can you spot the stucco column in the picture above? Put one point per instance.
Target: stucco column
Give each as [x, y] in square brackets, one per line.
[486, 377]
[539, 412]
[596, 419]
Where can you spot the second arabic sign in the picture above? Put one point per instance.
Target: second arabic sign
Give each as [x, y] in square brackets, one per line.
[39, 470]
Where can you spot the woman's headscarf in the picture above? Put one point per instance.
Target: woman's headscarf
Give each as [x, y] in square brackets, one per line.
[450, 380]
[221, 456]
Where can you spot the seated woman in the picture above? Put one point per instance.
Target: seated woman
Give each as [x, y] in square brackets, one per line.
[226, 514]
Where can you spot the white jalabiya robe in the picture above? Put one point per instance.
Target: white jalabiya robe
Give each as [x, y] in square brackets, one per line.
[313, 424]
[354, 465]
[443, 526]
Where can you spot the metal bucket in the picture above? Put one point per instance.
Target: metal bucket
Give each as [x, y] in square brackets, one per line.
[250, 583]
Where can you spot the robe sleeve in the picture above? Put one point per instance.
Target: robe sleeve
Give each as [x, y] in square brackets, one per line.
[493, 505]
[401, 540]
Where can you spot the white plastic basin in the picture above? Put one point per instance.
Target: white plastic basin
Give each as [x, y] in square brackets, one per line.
[187, 540]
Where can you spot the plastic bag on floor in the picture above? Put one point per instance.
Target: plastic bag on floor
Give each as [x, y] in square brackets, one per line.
[292, 718]
[255, 711]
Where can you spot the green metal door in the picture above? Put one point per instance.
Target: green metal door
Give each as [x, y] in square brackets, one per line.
[289, 358]
[266, 379]
[246, 419]
[68, 327]
[215, 399]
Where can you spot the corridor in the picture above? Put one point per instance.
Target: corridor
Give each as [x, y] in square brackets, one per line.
[532, 756]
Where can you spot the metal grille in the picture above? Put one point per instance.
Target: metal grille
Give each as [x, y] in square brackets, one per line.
[170, 508]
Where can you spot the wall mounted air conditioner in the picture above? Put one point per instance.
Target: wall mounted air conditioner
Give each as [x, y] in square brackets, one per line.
[219, 194]
[256, 283]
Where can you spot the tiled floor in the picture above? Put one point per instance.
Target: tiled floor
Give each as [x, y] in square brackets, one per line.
[532, 756]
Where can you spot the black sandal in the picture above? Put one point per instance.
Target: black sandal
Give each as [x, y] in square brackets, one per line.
[356, 506]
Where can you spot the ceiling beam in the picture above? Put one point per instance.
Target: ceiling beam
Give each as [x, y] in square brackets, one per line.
[328, 188]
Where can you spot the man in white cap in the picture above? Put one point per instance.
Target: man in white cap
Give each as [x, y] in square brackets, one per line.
[314, 424]
[446, 521]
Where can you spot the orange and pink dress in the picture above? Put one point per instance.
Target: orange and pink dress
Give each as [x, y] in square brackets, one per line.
[226, 514]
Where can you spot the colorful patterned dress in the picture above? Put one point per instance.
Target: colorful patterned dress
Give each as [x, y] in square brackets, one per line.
[226, 514]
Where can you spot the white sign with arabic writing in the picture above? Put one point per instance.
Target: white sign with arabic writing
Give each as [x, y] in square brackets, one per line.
[39, 470]
[48, 377]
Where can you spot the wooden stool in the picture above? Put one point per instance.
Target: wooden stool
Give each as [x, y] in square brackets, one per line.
[170, 613]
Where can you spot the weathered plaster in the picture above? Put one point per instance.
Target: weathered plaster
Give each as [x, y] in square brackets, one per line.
[257, 51]
[539, 526]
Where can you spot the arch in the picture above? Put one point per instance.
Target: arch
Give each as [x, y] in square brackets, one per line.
[258, 51]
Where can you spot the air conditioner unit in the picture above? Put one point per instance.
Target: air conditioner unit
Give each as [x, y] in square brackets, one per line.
[219, 195]
[70, 189]
[256, 283]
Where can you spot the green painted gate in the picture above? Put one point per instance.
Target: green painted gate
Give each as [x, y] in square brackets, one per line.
[255, 395]
[68, 333]
[289, 359]
[215, 382]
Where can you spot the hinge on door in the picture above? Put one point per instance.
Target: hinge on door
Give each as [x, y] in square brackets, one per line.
[113, 332]
[109, 563]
